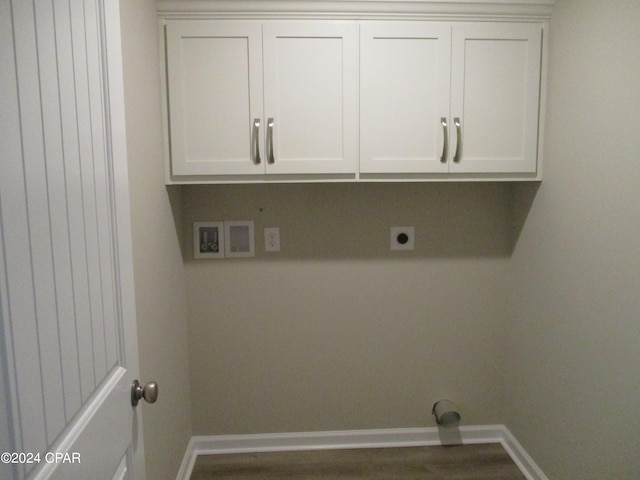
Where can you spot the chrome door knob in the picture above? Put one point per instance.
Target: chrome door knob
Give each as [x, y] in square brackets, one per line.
[149, 392]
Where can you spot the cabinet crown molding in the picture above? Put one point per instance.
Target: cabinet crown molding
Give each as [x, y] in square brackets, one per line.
[357, 9]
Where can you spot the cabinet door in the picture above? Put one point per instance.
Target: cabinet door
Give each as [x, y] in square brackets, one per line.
[404, 96]
[310, 88]
[214, 75]
[495, 95]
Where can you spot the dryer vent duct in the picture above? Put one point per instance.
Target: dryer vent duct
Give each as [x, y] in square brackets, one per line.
[446, 413]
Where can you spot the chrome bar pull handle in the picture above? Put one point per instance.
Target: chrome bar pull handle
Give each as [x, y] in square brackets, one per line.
[456, 157]
[256, 141]
[270, 158]
[445, 140]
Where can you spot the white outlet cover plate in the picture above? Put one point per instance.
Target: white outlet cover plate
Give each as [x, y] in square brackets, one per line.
[271, 239]
[396, 231]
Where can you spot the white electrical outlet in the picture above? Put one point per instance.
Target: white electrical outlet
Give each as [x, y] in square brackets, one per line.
[272, 239]
[402, 238]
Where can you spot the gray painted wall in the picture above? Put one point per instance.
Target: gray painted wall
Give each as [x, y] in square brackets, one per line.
[574, 369]
[336, 331]
[158, 265]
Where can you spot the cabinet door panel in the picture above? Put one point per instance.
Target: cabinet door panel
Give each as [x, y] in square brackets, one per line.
[215, 92]
[310, 90]
[404, 82]
[495, 93]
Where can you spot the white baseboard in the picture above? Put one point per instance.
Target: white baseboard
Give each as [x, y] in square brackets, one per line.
[520, 456]
[188, 461]
[403, 437]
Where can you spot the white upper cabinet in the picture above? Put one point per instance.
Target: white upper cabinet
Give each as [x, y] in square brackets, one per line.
[311, 97]
[449, 98]
[225, 118]
[214, 74]
[404, 95]
[300, 91]
[495, 96]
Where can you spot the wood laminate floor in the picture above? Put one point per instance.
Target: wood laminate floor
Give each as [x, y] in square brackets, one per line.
[463, 462]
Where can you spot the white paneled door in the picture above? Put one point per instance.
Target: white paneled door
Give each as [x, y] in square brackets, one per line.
[67, 329]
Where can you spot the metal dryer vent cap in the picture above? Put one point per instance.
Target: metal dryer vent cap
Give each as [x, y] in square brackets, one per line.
[446, 413]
